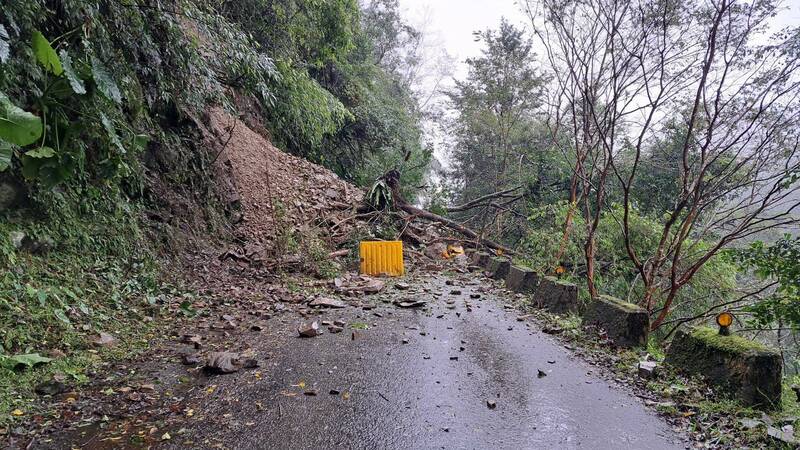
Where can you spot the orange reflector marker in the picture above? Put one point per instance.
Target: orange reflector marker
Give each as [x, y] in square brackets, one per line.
[382, 258]
[725, 320]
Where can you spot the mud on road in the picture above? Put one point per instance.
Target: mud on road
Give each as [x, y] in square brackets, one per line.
[460, 373]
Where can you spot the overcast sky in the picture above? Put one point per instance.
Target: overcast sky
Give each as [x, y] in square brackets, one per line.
[449, 24]
[453, 21]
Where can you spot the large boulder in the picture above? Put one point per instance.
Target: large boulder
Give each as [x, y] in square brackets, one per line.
[522, 279]
[557, 296]
[627, 324]
[747, 370]
[499, 267]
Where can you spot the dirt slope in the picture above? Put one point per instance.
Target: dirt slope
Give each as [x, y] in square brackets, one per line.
[273, 189]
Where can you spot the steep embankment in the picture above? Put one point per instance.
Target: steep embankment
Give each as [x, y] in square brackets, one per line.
[273, 189]
[281, 210]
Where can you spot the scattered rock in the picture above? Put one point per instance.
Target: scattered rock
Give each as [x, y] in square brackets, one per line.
[402, 286]
[784, 434]
[339, 323]
[335, 329]
[410, 303]
[16, 238]
[647, 369]
[255, 327]
[310, 392]
[309, 329]
[56, 354]
[250, 363]
[221, 363]
[455, 292]
[190, 359]
[193, 339]
[354, 284]
[325, 302]
[749, 424]
[51, 387]
[104, 340]
[334, 392]
[491, 404]
[436, 251]
[541, 373]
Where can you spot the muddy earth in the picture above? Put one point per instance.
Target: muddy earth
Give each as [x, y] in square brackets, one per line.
[462, 371]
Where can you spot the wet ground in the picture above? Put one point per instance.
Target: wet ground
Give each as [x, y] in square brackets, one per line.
[462, 373]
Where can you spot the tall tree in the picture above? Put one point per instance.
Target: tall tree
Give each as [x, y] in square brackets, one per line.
[497, 145]
[623, 68]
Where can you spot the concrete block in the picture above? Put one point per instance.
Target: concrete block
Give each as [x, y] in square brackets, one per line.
[557, 296]
[745, 369]
[499, 267]
[522, 279]
[627, 324]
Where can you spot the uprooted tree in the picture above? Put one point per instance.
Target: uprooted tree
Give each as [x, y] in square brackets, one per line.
[387, 194]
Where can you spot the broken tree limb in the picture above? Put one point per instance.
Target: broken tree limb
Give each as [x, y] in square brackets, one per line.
[480, 200]
[392, 179]
[337, 253]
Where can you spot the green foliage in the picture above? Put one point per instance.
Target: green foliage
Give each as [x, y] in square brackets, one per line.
[779, 263]
[304, 112]
[499, 142]
[45, 54]
[380, 196]
[18, 127]
[27, 360]
[714, 283]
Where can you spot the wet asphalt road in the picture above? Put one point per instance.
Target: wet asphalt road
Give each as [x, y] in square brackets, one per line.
[429, 393]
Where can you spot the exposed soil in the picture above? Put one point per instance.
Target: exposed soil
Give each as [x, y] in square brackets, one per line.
[274, 189]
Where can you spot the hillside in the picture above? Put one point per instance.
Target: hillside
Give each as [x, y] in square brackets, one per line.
[128, 189]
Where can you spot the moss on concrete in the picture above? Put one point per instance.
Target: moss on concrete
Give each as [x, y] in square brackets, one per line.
[627, 307]
[747, 370]
[732, 344]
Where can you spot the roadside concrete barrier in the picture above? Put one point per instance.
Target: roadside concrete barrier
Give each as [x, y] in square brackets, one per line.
[522, 279]
[499, 267]
[557, 296]
[745, 369]
[627, 324]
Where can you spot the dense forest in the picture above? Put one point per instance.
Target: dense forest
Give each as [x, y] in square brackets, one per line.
[649, 153]
[645, 150]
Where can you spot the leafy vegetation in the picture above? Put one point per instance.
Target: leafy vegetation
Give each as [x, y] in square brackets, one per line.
[97, 109]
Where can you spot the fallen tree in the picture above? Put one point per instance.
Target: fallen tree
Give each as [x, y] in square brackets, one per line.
[392, 180]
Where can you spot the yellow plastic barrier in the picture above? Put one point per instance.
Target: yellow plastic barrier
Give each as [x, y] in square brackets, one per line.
[382, 258]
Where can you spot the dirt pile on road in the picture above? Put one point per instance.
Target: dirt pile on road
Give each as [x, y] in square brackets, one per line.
[271, 192]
